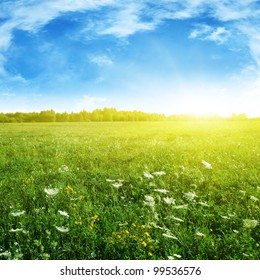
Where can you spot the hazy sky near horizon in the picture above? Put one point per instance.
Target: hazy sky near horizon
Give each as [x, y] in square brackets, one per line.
[167, 56]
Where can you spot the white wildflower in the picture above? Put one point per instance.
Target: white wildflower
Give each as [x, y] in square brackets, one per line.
[169, 200]
[159, 173]
[246, 255]
[149, 201]
[152, 184]
[168, 235]
[175, 218]
[17, 213]
[206, 164]
[156, 216]
[190, 196]
[117, 185]
[124, 224]
[235, 231]
[200, 233]
[149, 198]
[110, 180]
[63, 168]
[5, 254]
[253, 198]
[184, 206]
[250, 223]
[63, 213]
[171, 258]
[177, 256]
[225, 217]
[148, 175]
[16, 230]
[62, 229]
[161, 191]
[155, 225]
[51, 192]
[232, 215]
[203, 204]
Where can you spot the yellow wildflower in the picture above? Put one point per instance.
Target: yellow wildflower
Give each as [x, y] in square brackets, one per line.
[69, 190]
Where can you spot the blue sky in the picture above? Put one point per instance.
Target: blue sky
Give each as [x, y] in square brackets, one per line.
[168, 56]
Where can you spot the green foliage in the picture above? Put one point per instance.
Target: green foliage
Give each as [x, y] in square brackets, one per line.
[116, 190]
[107, 114]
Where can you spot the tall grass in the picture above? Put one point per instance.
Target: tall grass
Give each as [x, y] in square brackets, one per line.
[130, 190]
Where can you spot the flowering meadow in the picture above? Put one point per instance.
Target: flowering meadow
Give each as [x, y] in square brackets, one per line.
[139, 190]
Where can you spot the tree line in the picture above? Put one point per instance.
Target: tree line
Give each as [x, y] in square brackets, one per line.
[105, 114]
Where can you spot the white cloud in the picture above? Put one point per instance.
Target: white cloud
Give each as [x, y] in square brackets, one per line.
[220, 35]
[32, 15]
[200, 31]
[234, 10]
[205, 32]
[124, 18]
[100, 60]
[7, 94]
[253, 34]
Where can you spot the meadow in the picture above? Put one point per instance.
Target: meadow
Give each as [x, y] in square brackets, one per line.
[130, 190]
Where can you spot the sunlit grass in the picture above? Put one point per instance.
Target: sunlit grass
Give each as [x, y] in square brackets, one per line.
[184, 190]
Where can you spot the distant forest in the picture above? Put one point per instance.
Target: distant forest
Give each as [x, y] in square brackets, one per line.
[106, 114]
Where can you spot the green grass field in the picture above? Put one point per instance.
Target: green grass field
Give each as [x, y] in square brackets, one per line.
[130, 190]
